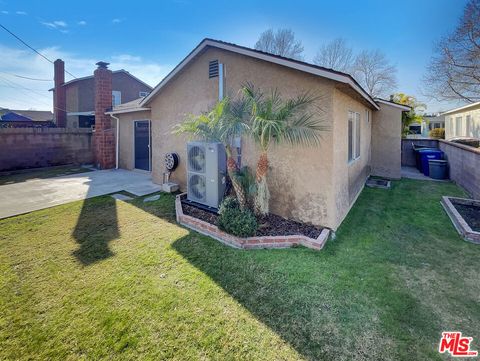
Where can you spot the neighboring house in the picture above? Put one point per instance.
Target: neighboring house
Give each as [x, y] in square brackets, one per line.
[429, 122]
[463, 122]
[13, 118]
[74, 101]
[318, 184]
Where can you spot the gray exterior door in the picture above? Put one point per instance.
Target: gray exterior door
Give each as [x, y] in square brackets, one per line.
[142, 144]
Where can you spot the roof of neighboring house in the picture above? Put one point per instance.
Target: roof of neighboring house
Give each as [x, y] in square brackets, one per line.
[465, 107]
[26, 115]
[394, 104]
[291, 63]
[113, 72]
[132, 106]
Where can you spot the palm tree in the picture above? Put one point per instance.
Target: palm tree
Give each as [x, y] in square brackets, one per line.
[223, 123]
[274, 120]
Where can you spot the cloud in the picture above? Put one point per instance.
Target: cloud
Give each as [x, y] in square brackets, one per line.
[26, 63]
[21, 13]
[116, 21]
[57, 24]
[82, 23]
[5, 12]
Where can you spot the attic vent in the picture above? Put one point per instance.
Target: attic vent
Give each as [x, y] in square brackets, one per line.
[213, 69]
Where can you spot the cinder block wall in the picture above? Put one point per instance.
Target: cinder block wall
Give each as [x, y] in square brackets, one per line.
[464, 166]
[22, 148]
[408, 155]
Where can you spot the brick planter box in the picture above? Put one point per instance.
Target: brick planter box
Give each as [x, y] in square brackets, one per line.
[460, 224]
[250, 242]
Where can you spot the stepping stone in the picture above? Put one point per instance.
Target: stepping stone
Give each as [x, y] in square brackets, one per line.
[121, 197]
[152, 198]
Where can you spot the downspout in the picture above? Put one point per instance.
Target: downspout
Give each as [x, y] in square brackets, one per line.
[116, 139]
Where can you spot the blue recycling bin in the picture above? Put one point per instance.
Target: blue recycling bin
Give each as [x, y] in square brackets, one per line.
[425, 156]
[417, 150]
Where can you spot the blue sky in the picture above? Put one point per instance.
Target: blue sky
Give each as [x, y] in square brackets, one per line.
[148, 38]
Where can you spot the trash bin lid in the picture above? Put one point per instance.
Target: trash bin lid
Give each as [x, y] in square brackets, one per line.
[428, 150]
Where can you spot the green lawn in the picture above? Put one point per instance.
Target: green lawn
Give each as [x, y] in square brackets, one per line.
[41, 173]
[112, 280]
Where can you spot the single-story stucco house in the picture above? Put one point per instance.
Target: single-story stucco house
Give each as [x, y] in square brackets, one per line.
[463, 121]
[318, 185]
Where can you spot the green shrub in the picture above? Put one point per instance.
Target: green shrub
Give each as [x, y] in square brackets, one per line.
[229, 202]
[235, 221]
[438, 133]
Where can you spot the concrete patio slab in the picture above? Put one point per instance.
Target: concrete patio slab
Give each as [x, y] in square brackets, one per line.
[38, 194]
[414, 173]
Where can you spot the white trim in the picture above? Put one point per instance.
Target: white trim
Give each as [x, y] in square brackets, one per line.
[403, 107]
[342, 78]
[81, 113]
[356, 120]
[130, 110]
[461, 108]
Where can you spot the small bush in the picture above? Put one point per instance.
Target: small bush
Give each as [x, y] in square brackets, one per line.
[235, 221]
[437, 133]
[228, 203]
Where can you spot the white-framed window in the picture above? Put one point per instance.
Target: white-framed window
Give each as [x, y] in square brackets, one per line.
[468, 126]
[143, 94]
[116, 97]
[353, 136]
[458, 126]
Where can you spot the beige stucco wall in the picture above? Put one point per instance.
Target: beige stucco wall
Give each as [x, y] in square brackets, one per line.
[387, 142]
[472, 129]
[303, 182]
[126, 139]
[349, 177]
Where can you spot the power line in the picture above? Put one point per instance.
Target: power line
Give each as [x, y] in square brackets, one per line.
[18, 86]
[25, 77]
[31, 48]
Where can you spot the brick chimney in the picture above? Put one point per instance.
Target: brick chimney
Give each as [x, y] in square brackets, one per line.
[104, 136]
[59, 95]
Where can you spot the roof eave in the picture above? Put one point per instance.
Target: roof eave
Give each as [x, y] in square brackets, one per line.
[130, 110]
[393, 104]
[333, 75]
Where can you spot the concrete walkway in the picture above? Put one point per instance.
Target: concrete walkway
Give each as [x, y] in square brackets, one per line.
[414, 173]
[37, 194]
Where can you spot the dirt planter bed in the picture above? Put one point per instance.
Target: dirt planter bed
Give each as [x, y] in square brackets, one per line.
[464, 214]
[213, 231]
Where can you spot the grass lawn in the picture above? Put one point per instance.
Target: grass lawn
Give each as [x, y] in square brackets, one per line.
[41, 173]
[113, 280]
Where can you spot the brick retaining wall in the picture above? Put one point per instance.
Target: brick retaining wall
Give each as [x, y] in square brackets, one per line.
[250, 242]
[22, 148]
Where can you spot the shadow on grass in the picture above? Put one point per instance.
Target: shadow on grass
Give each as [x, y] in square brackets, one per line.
[96, 226]
[323, 310]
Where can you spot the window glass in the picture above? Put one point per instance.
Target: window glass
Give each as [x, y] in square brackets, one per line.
[350, 136]
[357, 135]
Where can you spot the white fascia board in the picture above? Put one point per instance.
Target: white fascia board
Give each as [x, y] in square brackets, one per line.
[130, 110]
[472, 105]
[403, 107]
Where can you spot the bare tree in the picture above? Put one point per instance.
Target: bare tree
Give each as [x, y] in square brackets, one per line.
[282, 42]
[454, 71]
[336, 55]
[375, 73]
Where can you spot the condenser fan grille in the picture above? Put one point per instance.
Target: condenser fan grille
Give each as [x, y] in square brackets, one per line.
[197, 186]
[196, 158]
